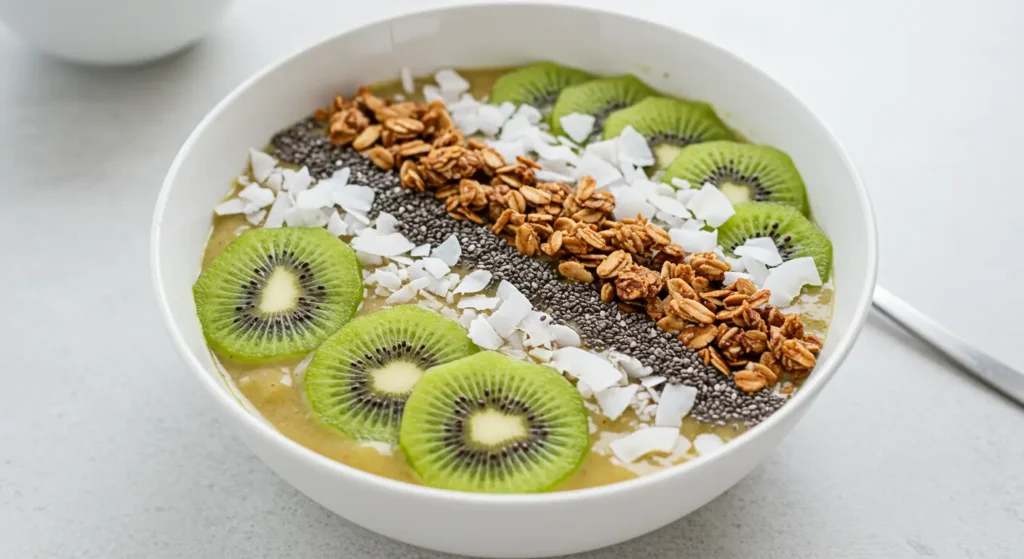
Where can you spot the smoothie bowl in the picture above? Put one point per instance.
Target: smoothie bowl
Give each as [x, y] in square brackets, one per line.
[502, 297]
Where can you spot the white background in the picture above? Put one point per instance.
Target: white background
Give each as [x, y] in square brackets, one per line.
[108, 448]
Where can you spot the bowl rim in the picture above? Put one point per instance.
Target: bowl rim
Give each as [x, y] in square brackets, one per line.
[282, 443]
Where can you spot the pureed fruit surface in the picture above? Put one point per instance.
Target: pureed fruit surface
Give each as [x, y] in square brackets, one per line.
[279, 397]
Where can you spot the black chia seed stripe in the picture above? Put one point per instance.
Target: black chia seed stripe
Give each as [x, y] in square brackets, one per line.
[422, 219]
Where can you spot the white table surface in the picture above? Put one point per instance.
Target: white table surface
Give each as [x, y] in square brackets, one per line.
[109, 449]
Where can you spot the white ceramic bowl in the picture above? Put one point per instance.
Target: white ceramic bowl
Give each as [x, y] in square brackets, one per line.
[672, 61]
[111, 31]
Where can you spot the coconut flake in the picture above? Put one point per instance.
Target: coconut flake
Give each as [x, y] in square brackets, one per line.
[432, 93]
[231, 207]
[256, 217]
[604, 173]
[483, 335]
[578, 126]
[762, 249]
[282, 205]
[336, 225]
[467, 317]
[303, 217]
[261, 164]
[435, 267]
[479, 302]
[706, 443]
[403, 295]
[596, 371]
[439, 287]
[731, 277]
[449, 251]
[408, 85]
[514, 308]
[607, 150]
[694, 241]
[489, 119]
[385, 223]
[631, 173]
[630, 201]
[555, 154]
[711, 205]
[735, 264]
[506, 292]
[541, 354]
[419, 283]
[633, 148]
[615, 400]
[653, 380]
[676, 401]
[475, 282]
[543, 175]
[509, 149]
[564, 336]
[320, 196]
[451, 82]
[297, 181]
[389, 280]
[633, 367]
[645, 441]
[357, 221]
[353, 198]
[757, 270]
[786, 280]
[507, 109]
[670, 206]
[421, 250]
[391, 244]
[530, 113]
[257, 196]
[535, 325]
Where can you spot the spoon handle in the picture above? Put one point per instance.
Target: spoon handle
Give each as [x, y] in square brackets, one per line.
[983, 366]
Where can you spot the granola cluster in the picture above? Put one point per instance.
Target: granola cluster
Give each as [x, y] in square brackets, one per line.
[633, 261]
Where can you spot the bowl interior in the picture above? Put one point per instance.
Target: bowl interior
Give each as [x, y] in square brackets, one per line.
[670, 61]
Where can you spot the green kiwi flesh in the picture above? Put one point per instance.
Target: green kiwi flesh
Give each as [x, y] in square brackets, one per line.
[277, 293]
[494, 424]
[669, 125]
[536, 84]
[360, 378]
[743, 172]
[794, 234]
[599, 98]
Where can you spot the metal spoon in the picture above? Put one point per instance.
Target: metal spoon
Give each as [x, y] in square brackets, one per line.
[979, 364]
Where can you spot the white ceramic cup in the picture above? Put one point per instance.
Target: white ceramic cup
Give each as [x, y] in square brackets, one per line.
[110, 32]
[673, 62]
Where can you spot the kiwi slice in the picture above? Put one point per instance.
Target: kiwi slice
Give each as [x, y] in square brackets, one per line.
[277, 293]
[600, 98]
[536, 84]
[793, 233]
[493, 424]
[360, 378]
[669, 125]
[743, 172]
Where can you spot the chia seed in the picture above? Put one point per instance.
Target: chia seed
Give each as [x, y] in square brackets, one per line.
[600, 325]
